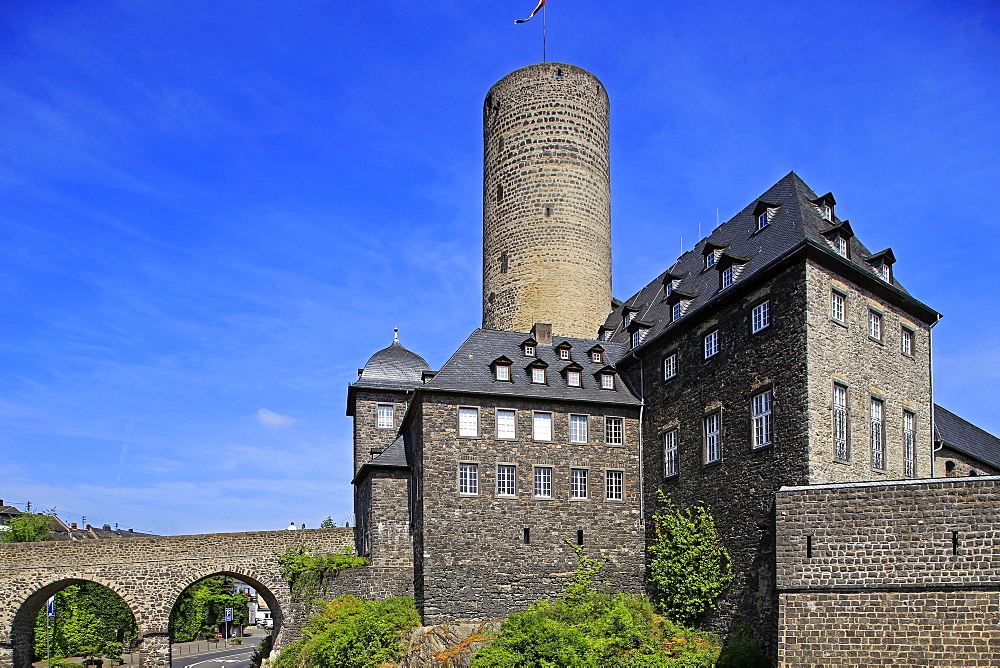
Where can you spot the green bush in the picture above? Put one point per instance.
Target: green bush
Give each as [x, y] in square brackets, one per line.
[742, 650]
[587, 629]
[352, 633]
[688, 565]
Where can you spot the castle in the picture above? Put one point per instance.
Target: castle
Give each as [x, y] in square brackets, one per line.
[778, 357]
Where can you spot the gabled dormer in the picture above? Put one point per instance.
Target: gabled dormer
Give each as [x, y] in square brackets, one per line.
[762, 214]
[824, 206]
[538, 372]
[679, 300]
[563, 350]
[573, 375]
[529, 347]
[628, 314]
[839, 238]
[605, 333]
[711, 252]
[501, 368]
[596, 354]
[881, 263]
[730, 267]
[638, 331]
[670, 282]
[607, 378]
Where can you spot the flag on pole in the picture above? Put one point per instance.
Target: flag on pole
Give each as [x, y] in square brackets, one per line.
[541, 3]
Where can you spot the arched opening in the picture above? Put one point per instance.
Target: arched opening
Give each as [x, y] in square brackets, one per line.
[225, 614]
[73, 618]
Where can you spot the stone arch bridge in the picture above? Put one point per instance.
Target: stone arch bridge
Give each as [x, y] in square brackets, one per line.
[149, 573]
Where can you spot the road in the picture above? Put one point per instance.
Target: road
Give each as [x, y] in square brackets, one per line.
[231, 658]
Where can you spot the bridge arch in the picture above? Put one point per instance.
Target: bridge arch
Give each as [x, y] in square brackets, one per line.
[22, 625]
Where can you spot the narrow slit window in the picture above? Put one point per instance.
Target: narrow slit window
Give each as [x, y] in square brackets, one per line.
[579, 536]
[527, 536]
[809, 547]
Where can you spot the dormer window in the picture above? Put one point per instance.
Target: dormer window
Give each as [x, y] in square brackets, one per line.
[597, 355]
[538, 375]
[529, 348]
[711, 253]
[564, 349]
[840, 244]
[502, 371]
[636, 338]
[826, 211]
[573, 378]
[824, 206]
[668, 289]
[710, 260]
[881, 263]
[762, 214]
[607, 381]
[627, 318]
[885, 271]
[762, 220]
[608, 334]
[727, 277]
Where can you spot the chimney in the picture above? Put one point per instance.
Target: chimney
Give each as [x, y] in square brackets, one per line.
[542, 332]
[131, 531]
[72, 525]
[89, 527]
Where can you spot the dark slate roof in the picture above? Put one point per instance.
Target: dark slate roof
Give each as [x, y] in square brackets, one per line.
[966, 437]
[394, 367]
[397, 455]
[796, 220]
[469, 370]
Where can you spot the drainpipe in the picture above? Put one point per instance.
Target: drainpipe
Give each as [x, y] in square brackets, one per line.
[930, 372]
[642, 408]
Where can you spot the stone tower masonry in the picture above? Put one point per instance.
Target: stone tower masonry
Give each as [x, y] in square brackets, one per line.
[546, 202]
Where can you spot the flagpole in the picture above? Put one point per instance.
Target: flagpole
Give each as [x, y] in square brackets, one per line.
[545, 28]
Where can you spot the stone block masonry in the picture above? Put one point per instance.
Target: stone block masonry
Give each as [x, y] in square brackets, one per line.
[894, 573]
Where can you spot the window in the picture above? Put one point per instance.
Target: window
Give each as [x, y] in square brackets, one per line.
[468, 422]
[468, 478]
[615, 481]
[760, 317]
[548, 212]
[875, 325]
[727, 277]
[529, 350]
[499, 192]
[711, 343]
[506, 421]
[538, 375]
[385, 416]
[906, 341]
[614, 430]
[760, 411]
[541, 426]
[578, 484]
[762, 220]
[841, 449]
[840, 244]
[627, 318]
[668, 288]
[710, 260]
[884, 271]
[878, 435]
[577, 428]
[676, 312]
[670, 453]
[573, 378]
[713, 445]
[826, 211]
[837, 302]
[505, 480]
[595, 356]
[543, 482]
[670, 366]
[636, 338]
[503, 371]
[909, 445]
[564, 353]
[607, 381]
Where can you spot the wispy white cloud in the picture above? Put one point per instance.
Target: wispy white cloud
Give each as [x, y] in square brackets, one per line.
[274, 420]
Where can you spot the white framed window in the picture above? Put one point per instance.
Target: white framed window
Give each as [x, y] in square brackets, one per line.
[676, 312]
[884, 270]
[728, 274]
[713, 442]
[595, 356]
[506, 423]
[762, 220]
[578, 483]
[837, 303]
[468, 479]
[385, 420]
[826, 211]
[538, 375]
[627, 317]
[614, 485]
[670, 463]
[607, 381]
[543, 482]
[875, 325]
[877, 435]
[840, 245]
[760, 317]
[670, 366]
[760, 412]
[636, 338]
[909, 445]
[506, 480]
[710, 259]
[573, 378]
[841, 448]
[668, 288]
[468, 421]
[578, 428]
[906, 341]
[711, 342]
[503, 372]
[529, 351]
[564, 353]
[614, 430]
[541, 426]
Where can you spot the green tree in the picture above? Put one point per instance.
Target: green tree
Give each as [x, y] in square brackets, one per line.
[201, 609]
[91, 620]
[689, 567]
[28, 528]
[328, 523]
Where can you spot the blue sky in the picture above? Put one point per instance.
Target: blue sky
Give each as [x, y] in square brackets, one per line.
[213, 213]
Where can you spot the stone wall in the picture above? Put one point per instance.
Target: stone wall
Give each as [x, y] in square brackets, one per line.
[962, 465]
[383, 513]
[738, 490]
[473, 563]
[368, 435]
[546, 202]
[896, 573]
[843, 352]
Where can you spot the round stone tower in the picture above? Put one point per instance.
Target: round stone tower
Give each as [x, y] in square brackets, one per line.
[546, 202]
